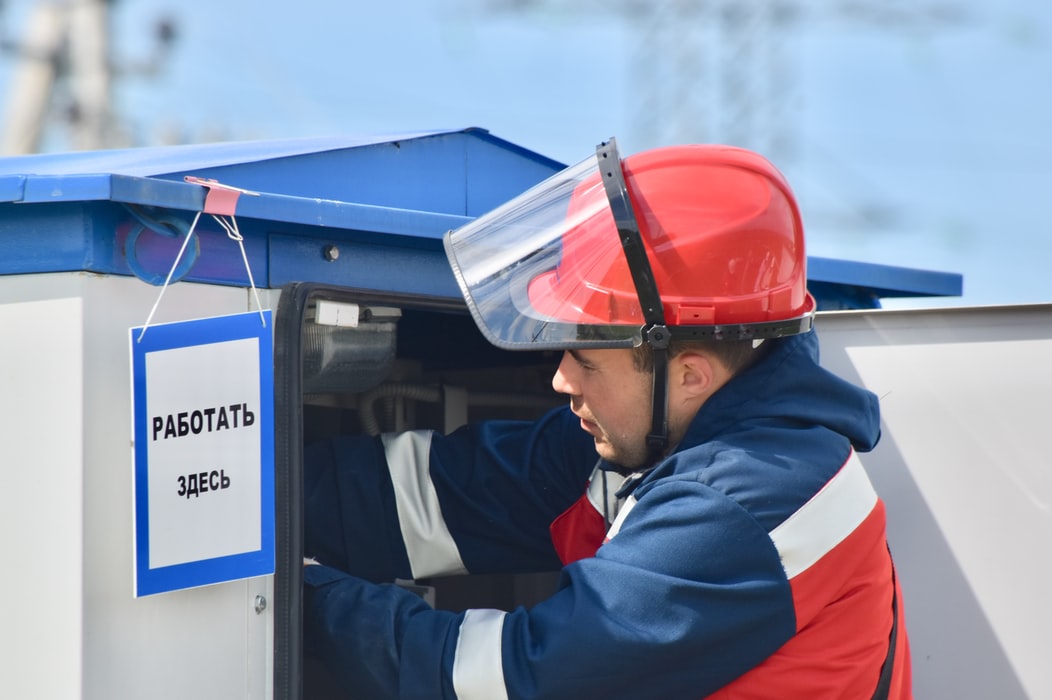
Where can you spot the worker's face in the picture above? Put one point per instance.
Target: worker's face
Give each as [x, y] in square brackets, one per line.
[613, 400]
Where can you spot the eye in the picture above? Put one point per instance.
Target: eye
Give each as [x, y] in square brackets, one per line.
[586, 365]
[582, 362]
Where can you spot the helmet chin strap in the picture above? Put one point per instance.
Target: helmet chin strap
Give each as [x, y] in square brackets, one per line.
[655, 332]
[657, 439]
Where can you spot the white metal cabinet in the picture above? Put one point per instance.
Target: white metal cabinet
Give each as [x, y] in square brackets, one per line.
[965, 471]
[72, 626]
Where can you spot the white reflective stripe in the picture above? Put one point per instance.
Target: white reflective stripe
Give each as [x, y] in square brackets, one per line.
[428, 543]
[478, 670]
[827, 519]
[603, 485]
[630, 503]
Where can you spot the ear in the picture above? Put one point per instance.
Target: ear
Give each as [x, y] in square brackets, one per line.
[694, 375]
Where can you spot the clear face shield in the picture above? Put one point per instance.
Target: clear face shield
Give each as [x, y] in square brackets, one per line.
[537, 272]
[565, 265]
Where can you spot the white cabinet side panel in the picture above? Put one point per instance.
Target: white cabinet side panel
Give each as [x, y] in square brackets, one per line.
[966, 475]
[71, 625]
[41, 463]
[182, 644]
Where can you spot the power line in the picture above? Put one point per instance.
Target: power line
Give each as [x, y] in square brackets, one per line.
[723, 70]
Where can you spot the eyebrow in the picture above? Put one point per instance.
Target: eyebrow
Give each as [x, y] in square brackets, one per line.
[580, 359]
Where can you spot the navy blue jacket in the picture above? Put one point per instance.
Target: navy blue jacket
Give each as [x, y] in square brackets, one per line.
[751, 562]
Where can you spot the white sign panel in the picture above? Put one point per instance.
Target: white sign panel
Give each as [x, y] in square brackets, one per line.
[203, 436]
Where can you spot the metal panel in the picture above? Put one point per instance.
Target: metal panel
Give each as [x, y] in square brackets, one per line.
[66, 188]
[884, 280]
[12, 187]
[350, 216]
[496, 175]
[41, 431]
[420, 269]
[415, 186]
[449, 174]
[428, 172]
[53, 238]
[67, 452]
[161, 160]
[965, 473]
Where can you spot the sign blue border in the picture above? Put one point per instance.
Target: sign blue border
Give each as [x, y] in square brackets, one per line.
[187, 334]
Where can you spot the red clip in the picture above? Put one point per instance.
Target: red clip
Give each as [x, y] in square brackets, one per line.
[221, 199]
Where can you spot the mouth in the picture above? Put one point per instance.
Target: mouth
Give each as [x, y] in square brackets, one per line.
[589, 427]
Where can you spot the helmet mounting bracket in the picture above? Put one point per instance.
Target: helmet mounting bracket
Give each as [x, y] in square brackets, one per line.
[655, 333]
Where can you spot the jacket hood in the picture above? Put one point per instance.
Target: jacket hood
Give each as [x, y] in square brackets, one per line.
[787, 384]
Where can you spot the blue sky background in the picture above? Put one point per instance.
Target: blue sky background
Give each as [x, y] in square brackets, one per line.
[916, 143]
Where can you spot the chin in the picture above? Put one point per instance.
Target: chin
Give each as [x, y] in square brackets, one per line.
[615, 457]
[607, 453]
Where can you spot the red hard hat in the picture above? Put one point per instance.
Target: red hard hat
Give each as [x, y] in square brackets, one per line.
[719, 225]
[722, 233]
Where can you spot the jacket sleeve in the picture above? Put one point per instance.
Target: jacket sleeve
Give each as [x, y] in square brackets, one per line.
[689, 595]
[419, 504]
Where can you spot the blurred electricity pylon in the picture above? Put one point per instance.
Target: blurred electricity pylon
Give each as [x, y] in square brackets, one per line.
[722, 70]
[63, 72]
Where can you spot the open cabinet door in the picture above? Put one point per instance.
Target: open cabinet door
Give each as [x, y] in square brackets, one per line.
[360, 362]
[288, 482]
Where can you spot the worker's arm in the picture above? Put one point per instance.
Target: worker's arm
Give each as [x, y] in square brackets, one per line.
[688, 596]
[420, 504]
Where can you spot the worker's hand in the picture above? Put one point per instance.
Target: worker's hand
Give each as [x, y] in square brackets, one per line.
[307, 561]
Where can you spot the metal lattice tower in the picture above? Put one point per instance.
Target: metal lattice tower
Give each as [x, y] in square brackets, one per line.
[724, 70]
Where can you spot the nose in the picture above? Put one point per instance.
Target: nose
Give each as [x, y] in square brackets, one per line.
[561, 381]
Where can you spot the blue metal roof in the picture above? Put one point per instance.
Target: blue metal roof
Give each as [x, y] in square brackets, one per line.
[165, 160]
[382, 201]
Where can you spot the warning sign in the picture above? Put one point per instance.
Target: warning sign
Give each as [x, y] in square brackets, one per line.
[203, 443]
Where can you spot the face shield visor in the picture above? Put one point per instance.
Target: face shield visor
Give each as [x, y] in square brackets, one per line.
[537, 272]
[700, 242]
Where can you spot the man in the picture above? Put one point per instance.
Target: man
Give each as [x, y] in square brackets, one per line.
[728, 543]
